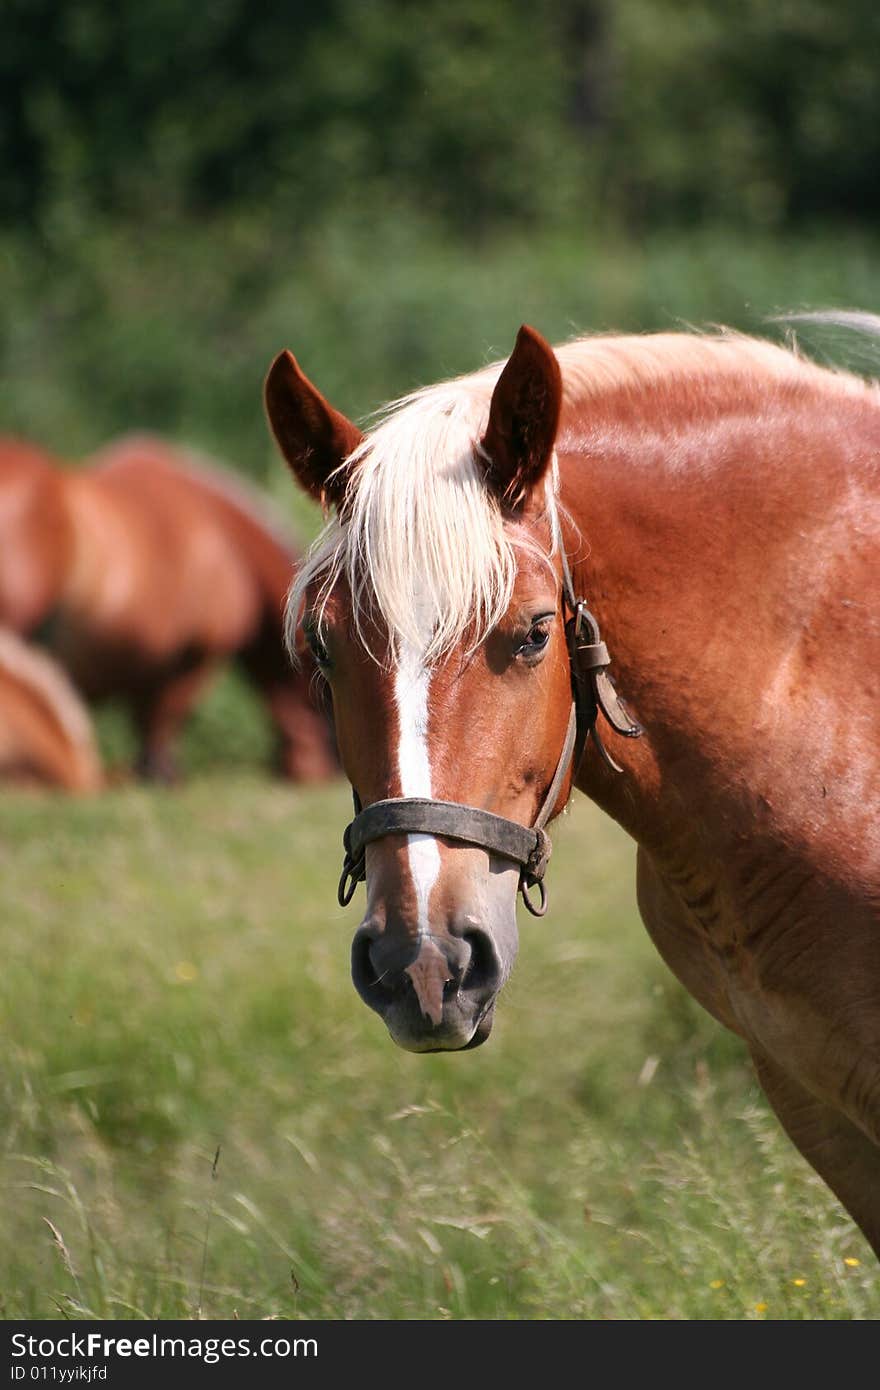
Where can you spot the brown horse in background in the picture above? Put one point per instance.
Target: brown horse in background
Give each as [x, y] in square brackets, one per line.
[148, 571]
[46, 736]
[709, 505]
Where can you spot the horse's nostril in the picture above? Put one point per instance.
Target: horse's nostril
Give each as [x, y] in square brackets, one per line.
[379, 959]
[365, 977]
[482, 968]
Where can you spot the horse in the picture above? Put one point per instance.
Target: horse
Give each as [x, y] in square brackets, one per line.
[145, 571]
[46, 735]
[702, 510]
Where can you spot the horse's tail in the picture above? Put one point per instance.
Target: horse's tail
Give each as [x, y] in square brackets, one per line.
[46, 732]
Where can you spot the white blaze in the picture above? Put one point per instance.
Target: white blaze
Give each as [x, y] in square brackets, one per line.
[411, 682]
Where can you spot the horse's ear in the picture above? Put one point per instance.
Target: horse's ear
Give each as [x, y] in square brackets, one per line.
[523, 419]
[313, 437]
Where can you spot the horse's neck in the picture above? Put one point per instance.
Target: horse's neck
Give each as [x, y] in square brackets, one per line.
[719, 560]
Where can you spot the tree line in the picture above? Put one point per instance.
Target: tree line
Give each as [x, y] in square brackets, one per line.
[479, 113]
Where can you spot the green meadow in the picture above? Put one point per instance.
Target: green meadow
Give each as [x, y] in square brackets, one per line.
[202, 1120]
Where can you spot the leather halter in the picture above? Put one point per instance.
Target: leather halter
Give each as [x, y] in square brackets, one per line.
[529, 846]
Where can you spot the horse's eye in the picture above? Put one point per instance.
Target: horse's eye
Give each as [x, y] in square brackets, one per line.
[316, 645]
[536, 640]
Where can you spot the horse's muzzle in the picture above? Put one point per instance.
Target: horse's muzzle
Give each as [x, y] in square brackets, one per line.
[435, 991]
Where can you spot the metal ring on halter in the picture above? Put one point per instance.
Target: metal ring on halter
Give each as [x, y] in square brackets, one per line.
[348, 882]
[354, 871]
[525, 884]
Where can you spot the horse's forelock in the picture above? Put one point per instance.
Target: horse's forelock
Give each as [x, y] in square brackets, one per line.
[423, 544]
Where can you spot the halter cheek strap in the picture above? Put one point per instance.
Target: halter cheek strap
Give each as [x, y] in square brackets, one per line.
[529, 846]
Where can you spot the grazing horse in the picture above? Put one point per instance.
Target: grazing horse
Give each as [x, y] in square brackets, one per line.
[46, 736]
[149, 571]
[702, 511]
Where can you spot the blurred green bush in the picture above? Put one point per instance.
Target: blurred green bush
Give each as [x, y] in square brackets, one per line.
[481, 114]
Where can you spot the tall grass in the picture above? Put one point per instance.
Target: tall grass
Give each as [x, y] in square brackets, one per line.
[200, 1118]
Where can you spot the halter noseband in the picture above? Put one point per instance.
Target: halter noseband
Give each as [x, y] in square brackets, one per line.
[528, 846]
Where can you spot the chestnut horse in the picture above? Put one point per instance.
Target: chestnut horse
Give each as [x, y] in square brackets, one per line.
[715, 501]
[155, 571]
[46, 736]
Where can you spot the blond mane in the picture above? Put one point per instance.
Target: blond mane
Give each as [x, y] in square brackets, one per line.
[424, 542]
[42, 675]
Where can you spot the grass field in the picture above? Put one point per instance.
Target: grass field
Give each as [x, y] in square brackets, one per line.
[200, 1118]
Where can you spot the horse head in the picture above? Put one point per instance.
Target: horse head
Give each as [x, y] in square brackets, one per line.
[434, 605]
